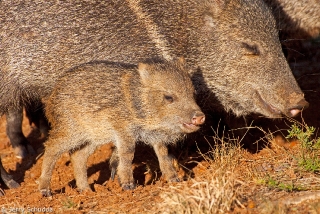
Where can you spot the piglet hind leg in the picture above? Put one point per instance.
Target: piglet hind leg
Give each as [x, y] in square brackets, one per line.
[54, 148]
[79, 162]
[165, 162]
[125, 153]
[114, 162]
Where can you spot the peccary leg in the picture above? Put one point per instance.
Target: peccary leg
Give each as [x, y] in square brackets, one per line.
[125, 155]
[114, 161]
[14, 132]
[7, 179]
[36, 115]
[79, 161]
[165, 162]
[54, 148]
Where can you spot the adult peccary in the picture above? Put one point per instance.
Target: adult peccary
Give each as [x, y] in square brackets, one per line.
[297, 19]
[231, 46]
[99, 103]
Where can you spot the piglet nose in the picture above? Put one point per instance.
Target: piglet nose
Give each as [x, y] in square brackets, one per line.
[198, 118]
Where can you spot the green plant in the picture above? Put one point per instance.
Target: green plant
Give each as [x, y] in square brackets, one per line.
[309, 154]
[274, 184]
[69, 204]
[310, 163]
[303, 134]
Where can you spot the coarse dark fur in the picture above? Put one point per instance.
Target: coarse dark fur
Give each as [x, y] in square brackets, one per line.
[297, 19]
[231, 46]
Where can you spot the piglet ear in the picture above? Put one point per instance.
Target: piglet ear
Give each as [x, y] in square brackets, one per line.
[143, 70]
[181, 61]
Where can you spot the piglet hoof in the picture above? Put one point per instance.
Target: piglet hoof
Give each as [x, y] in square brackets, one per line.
[129, 186]
[113, 173]
[45, 192]
[84, 190]
[12, 184]
[175, 179]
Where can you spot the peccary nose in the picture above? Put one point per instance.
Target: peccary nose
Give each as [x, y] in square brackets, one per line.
[302, 104]
[198, 118]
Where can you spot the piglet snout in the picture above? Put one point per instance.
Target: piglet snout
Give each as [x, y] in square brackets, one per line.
[198, 118]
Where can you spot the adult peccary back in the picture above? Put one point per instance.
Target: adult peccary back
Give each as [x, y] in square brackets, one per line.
[99, 103]
[298, 22]
[297, 19]
[232, 46]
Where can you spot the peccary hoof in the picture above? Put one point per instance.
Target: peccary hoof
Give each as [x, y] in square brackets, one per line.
[84, 189]
[113, 173]
[1, 192]
[175, 179]
[8, 181]
[45, 192]
[129, 186]
[22, 151]
[12, 184]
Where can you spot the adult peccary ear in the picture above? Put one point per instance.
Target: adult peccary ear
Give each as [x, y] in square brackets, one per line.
[215, 7]
[181, 61]
[213, 10]
[144, 72]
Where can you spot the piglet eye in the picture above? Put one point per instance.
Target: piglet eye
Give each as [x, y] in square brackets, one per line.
[168, 98]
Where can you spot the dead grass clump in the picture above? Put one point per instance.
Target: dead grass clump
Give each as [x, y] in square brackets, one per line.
[204, 196]
[214, 191]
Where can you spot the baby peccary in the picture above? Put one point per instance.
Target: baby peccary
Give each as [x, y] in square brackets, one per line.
[99, 103]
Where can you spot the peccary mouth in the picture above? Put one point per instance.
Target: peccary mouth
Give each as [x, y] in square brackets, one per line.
[276, 112]
[189, 127]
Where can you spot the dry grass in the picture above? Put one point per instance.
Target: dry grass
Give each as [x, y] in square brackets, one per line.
[215, 191]
[232, 179]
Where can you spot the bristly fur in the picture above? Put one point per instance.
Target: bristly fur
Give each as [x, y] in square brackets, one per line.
[102, 102]
[40, 41]
[297, 19]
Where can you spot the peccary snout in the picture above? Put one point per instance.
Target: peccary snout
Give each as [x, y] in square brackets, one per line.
[294, 111]
[198, 118]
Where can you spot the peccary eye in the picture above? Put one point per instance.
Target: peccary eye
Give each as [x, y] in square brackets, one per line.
[168, 98]
[250, 50]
